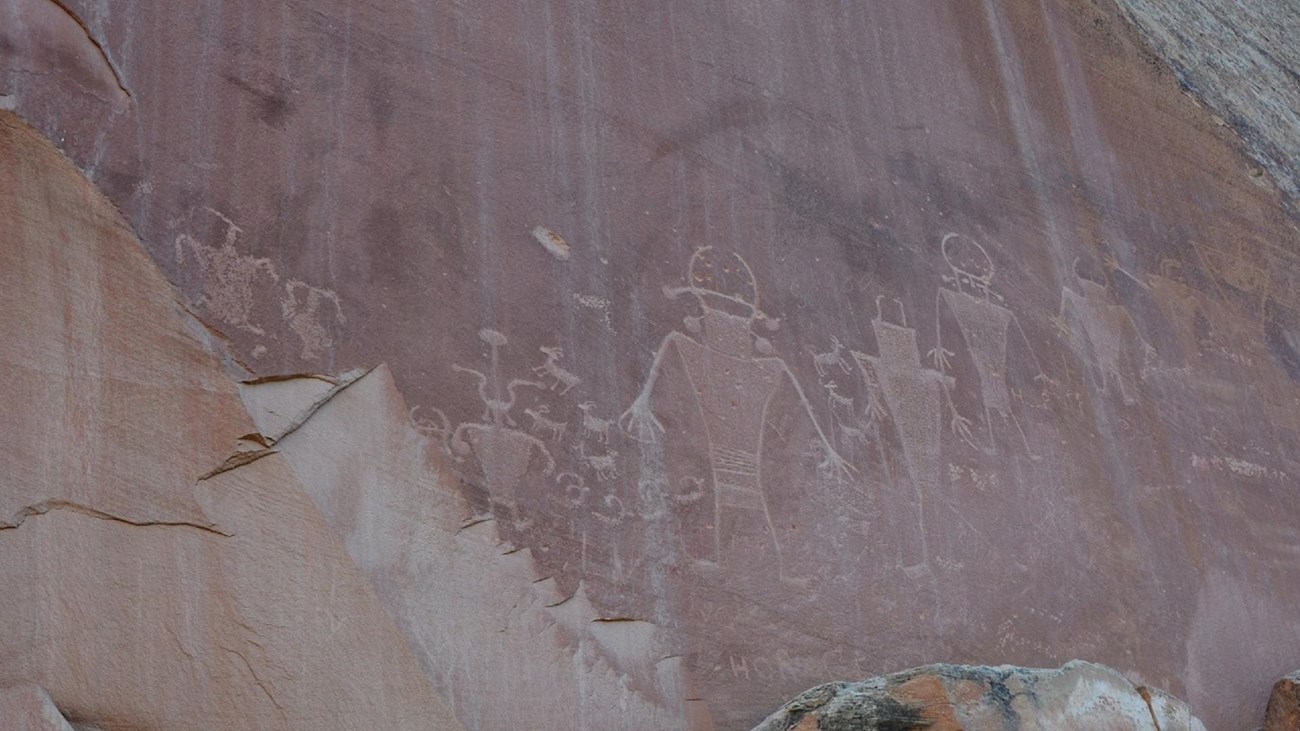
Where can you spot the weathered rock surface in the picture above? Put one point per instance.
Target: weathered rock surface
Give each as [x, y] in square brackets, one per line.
[476, 609]
[1283, 713]
[146, 587]
[1242, 60]
[1079, 696]
[816, 339]
[29, 708]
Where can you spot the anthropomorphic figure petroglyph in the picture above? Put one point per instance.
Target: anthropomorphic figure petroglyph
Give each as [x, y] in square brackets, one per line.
[985, 325]
[734, 374]
[303, 308]
[1107, 329]
[503, 451]
[437, 428]
[846, 427]
[914, 397]
[841, 406]
[228, 276]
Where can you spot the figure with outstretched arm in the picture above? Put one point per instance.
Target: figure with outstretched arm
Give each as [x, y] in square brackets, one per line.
[734, 374]
[639, 420]
[503, 451]
[985, 325]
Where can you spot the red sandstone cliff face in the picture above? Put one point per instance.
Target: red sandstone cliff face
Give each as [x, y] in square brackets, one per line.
[815, 342]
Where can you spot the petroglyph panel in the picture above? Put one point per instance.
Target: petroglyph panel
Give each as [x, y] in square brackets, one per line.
[945, 447]
[228, 276]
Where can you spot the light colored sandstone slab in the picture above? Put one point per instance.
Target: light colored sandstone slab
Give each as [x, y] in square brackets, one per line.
[29, 708]
[144, 587]
[476, 609]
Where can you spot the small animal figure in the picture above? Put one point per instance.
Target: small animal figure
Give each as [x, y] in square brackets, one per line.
[834, 357]
[593, 425]
[605, 465]
[850, 435]
[543, 424]
[558, 375]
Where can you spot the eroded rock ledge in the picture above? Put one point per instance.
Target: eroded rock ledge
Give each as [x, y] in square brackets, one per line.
[951, 697]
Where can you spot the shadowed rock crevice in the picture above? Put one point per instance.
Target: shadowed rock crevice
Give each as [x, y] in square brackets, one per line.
[17, 519]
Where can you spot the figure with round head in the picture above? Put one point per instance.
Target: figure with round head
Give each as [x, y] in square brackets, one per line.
[970, 267]
[727, 295]
[734, 373]
[985, 326]
[503, 450]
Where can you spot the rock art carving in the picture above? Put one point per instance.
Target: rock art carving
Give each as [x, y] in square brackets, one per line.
[1106, 325]
[605, 465]
[232, 281]
[985, 325]
[914, 397]
[503, 451]
[734, 374]
[228, 276]
[841, 406]
[574, 488]
[593, 426]
[437, 429]
[694, 494]
[846, 427]
[551, 369]
[542, 424]
[850, 436]
[834, 358]
[302, 310]
[600, 305]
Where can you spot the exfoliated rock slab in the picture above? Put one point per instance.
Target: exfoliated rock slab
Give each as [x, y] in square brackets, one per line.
[1283, 712]
[28, 707]
[149, 581]
[1079, 695]
[475, 608]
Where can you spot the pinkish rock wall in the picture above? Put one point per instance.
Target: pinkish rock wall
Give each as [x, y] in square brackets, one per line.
[727, 349]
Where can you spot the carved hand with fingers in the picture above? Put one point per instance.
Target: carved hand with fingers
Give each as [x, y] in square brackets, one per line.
[640, 423]
[960, 425]
[1110, 262]
[939, 355]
